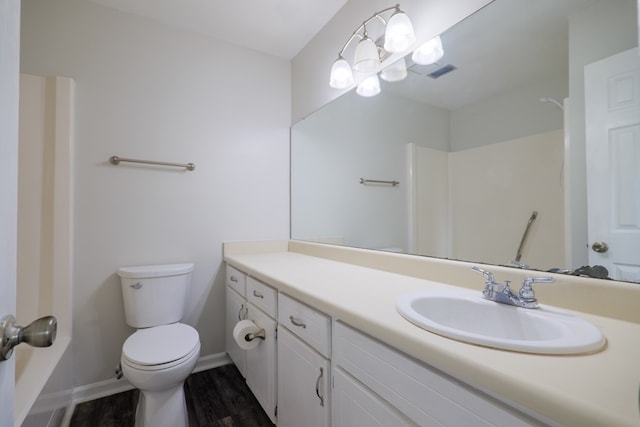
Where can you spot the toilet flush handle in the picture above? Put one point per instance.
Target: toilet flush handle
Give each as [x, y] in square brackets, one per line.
[39, 333]
[137, 285]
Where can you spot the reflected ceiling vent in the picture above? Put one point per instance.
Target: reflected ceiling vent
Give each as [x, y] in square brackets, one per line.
[433, 70]
[441, 71]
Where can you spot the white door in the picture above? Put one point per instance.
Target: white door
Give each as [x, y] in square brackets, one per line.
[236, 311]
[261, 363]
[303, 384]
[9, 88]
[612, 108]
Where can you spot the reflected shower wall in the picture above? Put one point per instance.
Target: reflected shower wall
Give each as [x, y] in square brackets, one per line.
[44, 254]
[471, 222]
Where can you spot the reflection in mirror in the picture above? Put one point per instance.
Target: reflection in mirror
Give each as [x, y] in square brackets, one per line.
[481, 153]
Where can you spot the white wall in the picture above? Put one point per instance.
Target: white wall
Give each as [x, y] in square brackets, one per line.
[146, 90]
[355, 138]
[509, 115]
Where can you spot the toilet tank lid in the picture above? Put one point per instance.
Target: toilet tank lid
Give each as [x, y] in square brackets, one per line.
[143, 271]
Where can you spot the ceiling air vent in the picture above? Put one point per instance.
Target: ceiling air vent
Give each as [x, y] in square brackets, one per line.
[441, 71]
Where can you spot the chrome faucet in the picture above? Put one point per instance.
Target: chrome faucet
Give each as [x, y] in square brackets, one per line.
[502, 293]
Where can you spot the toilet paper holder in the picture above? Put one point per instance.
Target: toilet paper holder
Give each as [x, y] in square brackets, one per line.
[260, 334]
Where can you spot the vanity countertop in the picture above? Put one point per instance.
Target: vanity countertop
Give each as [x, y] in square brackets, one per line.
[600, 389]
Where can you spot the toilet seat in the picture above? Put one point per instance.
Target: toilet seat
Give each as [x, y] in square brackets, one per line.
[160, 347]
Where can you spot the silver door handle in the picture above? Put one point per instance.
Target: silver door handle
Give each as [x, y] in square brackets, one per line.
[39, 333]
[600, 247]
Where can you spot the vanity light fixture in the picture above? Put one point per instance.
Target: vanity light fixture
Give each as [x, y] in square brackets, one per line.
[398, 37]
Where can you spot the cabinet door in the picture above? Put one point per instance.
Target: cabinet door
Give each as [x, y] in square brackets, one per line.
[236, 311]
[354, 405]
[261, 362]
[303, 384]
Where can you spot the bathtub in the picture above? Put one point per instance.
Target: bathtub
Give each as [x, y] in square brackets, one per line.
[44, 250]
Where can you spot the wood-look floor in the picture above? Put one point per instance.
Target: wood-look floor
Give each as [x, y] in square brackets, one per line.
[215, 398]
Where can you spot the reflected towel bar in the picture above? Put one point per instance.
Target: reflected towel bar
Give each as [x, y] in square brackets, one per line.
[376, 181]
[115, 160]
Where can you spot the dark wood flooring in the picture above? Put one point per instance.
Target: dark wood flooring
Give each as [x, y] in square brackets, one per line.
[215, 398]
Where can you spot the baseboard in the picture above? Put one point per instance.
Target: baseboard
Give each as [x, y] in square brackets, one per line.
[212, 361]
[69, 398]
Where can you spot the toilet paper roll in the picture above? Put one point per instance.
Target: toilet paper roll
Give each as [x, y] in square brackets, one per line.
[241, 330]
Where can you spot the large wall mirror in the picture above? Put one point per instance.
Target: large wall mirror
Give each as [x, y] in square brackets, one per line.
[488, 163]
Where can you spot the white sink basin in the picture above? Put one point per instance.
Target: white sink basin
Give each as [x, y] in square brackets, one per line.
[466, 316]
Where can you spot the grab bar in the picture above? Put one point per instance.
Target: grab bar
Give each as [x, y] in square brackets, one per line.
[115, 160]
[376, 181]
[532, 218]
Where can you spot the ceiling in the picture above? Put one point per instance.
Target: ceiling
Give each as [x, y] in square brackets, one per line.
[275, 27]
[506, 45]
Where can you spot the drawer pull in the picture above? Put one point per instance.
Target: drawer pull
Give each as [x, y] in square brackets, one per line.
[318, 387]
[234, 279]
[297, 323]
[243, 312]
[257, 294]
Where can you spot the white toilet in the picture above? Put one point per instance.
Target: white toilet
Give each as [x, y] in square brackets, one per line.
[161, 354]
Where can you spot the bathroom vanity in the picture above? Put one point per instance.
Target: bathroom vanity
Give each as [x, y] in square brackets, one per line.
[345, 356]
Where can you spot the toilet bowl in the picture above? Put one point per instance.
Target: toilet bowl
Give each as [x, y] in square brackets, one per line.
[157, 361]
[160, 355]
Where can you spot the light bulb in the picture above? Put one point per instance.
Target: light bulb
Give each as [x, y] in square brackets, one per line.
[366, 59]
[395, 72]
[341, 74]
[369, 86]
[399, 35]
[428, 53]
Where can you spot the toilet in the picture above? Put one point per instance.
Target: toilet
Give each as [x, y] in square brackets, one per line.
[161, 354]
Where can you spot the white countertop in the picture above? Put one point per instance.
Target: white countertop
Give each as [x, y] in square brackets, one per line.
[598, 389]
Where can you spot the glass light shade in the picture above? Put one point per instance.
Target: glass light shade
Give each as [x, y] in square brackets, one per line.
[369, 86]
[341, 74]
[429, 52]
[366, 59]
[399, 35]
[395, 72]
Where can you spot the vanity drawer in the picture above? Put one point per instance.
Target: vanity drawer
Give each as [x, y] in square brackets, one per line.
[262, 296]
[236, 279]
[310, 325]
[424, 394]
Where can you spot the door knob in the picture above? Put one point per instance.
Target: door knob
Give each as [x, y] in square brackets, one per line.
[600, 247]
[39, 333]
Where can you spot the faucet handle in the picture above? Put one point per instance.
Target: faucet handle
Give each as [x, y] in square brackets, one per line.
[487, 274]
[526, 291]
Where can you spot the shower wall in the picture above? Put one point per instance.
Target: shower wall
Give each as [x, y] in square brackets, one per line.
[44, 226]
[474, 204]
[494, 190]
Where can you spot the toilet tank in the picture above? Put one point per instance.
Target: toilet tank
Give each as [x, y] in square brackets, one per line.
[155, 295]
